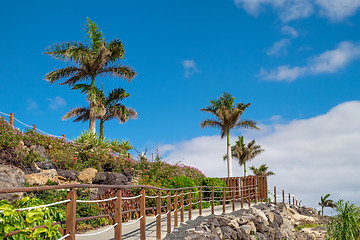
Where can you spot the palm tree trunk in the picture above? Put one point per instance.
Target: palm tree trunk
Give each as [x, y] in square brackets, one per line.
[229, 160]
[92, 126]
[245, 171]
[101, 129]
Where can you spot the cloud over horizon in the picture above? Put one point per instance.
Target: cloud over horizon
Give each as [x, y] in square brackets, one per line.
[329, 61]
[311, 157]
[289, 10]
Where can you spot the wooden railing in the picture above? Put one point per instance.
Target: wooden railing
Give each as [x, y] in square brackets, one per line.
[176, 206]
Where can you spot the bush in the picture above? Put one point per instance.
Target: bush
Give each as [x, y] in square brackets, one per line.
[346, 223]
[215, 182]
[12, 220]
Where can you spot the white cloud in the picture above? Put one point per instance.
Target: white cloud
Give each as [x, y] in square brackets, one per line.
[56, 103]
[282, 73]
[189, 68]
[337, 10]
[32, 105]
[311, 157]
[289, 10]
[330, 61]
[289, 31]
[279, 47]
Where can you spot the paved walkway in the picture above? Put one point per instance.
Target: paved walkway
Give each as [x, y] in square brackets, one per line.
[132, 232]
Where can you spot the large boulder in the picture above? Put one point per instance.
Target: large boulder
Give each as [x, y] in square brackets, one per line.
[41, 178]
[87, 175]
[11, 177]
[109, 178]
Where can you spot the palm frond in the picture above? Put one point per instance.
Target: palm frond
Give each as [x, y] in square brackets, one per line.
[59, 50]
[61, 73]
[94, 34]
[247, 124]
[81, 113]
[210, 123]
[119, 71]
[116, 49]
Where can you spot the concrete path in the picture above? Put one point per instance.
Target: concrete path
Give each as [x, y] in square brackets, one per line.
[132, 232]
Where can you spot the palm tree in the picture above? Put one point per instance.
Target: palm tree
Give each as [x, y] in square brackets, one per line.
[110, 107]
[325, 202]
[96, 58]
[227, 116]
[262, 170]
[245, 152]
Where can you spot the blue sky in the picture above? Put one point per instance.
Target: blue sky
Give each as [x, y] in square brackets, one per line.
[294, 60]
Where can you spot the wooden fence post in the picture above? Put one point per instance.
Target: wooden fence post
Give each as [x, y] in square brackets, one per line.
[34, 128]
[212, 201]
[182, 206]
[256, 193]
[296, 202]
[223, 201]
[168, 208]
[233, 199]
[63, 137]
[242, 197]
[142, 215]
[200, 202]
[118, 215]
[11, 119]
[249, 200]
[158, 218]
[189, 202]
[293, 200]
[274, 194]
[176, 210]
[283, 195]
[289, 199]
[71, 215]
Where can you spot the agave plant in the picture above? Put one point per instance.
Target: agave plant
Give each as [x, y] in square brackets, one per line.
[91, 139]
[120, 146]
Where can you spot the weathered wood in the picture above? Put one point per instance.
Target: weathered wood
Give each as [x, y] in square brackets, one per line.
[212, 201]
[200, 202]
[274, 194]
[242, 197]
[233, 199]
[71, 215]
[158, 218]
[63, 137]
[11, 119]
[142, 215]
[176, 224]
[189, 202]
[182, 206]
[223, 201]
[118, 216]
[34, 128]
[168, 209]
[289, 199]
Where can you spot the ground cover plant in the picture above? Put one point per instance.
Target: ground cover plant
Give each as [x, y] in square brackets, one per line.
[346, 223]
[12, 220]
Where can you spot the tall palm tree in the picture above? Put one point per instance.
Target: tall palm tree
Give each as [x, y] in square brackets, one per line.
[262, 170]
[110, 107]
[245, 152]
[325, 202]
[96, 58]
[227, 117]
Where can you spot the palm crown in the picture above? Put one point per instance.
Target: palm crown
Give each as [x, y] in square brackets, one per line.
[325, 202]
[262, 170]
[96, 58]
[227, 116]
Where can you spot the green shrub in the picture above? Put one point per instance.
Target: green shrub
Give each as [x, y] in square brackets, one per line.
[345, 226]
[216, 182]
[12, 220]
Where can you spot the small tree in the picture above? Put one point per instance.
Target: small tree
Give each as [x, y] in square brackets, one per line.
[262, 170]
[325, 202]
[227, 116]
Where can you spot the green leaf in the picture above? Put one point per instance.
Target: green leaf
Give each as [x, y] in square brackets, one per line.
[8, 228]
[38, 231]
[9, 212]
[6, 207]
[24, 200]
[34, 215]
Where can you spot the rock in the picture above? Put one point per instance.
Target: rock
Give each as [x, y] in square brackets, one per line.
[68, 174]
[9, 157]
[261, 216]
[11, 177]
[46, 165]
[108, 178]
[40, 150]
[41, 178]
[87, 175]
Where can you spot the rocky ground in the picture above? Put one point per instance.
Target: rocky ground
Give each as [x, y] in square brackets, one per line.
[262, 221]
